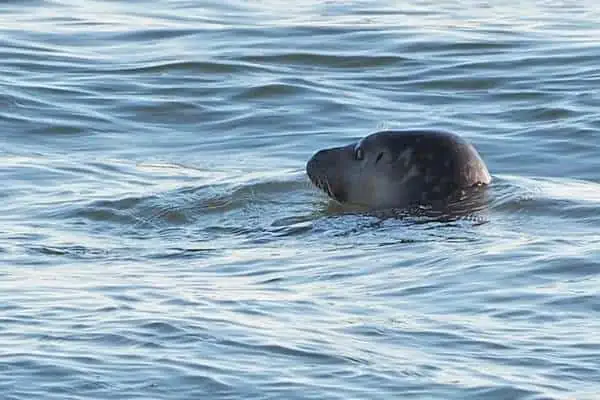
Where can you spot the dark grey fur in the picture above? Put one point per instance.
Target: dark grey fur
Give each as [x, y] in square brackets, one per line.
[399, 169]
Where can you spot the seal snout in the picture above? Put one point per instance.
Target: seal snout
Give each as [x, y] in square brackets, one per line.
[311, 166]
[314, 170]
[315, 166]
[317, 171]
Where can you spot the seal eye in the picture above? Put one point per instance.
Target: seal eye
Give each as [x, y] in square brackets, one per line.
[359, 154]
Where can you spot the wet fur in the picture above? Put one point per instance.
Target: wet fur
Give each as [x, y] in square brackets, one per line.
[399, 169]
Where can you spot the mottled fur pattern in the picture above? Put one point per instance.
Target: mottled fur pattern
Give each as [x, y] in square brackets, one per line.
[398, 169]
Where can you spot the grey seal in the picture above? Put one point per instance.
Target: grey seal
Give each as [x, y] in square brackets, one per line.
[399, 169]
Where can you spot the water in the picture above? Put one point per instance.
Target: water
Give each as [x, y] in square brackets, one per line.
[160, 240]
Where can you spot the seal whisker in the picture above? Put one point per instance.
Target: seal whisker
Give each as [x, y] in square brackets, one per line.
[329, 190]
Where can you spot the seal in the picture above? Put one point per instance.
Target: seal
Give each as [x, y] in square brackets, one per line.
[399, 169]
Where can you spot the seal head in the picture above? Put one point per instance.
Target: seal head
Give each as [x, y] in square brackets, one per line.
[392, 169]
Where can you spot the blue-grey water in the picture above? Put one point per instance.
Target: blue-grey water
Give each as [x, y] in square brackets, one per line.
[159, 238]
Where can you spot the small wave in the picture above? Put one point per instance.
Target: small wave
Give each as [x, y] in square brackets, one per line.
[548, 209]
[74, 251]
[141, 35]
[334, 60]
[566, 189]
[269, 91]
[518, 191]
[194, 67]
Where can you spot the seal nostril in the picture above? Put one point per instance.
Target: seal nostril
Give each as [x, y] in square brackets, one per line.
[379, 157]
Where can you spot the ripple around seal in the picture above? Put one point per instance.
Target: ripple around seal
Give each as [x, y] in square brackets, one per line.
[184, 206]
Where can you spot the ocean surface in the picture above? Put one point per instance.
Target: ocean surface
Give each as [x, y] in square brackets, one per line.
[159, 238]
